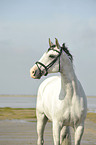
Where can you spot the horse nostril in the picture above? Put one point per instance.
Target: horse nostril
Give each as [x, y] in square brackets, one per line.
[32, 72]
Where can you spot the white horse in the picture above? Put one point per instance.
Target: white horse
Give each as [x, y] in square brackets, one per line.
[61, 99]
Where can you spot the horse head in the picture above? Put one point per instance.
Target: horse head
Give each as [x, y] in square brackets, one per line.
[50, 62]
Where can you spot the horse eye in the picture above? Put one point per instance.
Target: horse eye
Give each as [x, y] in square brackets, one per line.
[52, 56]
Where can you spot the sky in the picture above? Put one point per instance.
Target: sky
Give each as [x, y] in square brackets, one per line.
[26, 26]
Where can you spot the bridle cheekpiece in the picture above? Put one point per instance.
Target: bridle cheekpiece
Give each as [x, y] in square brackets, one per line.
[50, 64]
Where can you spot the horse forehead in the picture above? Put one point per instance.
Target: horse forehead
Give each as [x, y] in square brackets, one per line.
[44, 57]
[52, 51]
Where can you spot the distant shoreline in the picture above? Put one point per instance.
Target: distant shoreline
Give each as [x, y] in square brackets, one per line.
[18, 95]
[29, 101]
[4, 95]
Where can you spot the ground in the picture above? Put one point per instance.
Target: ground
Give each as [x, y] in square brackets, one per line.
[18, 127]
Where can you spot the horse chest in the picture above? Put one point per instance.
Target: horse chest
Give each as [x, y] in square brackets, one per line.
[65, 111]
[71, 114]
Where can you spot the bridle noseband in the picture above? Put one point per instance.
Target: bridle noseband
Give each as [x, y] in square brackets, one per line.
[50, 64]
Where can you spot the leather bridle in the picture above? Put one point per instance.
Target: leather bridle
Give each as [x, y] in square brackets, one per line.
[50, 64]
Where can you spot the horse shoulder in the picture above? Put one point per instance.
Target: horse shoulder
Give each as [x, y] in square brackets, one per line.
[47, 83]
[79, 103]
[82, 96]
[46, 88]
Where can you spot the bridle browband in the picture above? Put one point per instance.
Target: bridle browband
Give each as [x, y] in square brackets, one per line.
[50, 64]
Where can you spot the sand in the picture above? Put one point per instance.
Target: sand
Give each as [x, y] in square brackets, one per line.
[23, 132]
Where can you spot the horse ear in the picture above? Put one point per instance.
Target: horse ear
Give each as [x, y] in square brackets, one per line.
[63, 45]
[57, 43]
[50, 43]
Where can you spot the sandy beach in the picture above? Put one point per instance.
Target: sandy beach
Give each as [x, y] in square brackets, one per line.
[18, 127]
[23, 132]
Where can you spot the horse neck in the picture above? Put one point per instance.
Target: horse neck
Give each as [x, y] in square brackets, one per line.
[68, 81]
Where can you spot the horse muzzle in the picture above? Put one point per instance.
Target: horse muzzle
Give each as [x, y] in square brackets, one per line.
[34, 72]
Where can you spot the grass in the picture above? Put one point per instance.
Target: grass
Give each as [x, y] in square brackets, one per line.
[91, 116]
[17, 113]
[28, 113]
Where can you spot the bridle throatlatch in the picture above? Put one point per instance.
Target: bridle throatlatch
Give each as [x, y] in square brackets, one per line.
[50, 64]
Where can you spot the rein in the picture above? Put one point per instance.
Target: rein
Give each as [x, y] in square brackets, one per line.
[50, 64]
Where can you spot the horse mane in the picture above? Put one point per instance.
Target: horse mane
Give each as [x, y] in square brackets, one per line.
[67, 52]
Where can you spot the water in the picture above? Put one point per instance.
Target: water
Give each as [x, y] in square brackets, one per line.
[18, 102]
[91, 104]
[30, 102]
